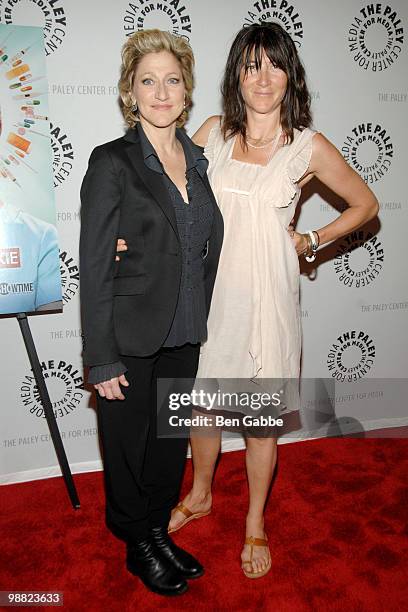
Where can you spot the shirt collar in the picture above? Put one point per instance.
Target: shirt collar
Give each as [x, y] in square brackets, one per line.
[193, 154]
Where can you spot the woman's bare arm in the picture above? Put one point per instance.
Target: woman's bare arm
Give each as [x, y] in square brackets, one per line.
[329, 166]
[200, 138]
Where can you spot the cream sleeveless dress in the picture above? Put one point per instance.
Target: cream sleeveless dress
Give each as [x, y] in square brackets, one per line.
[254, 322]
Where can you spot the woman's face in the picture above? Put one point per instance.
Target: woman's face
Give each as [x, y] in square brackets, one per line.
[158, 89]
[263, 90]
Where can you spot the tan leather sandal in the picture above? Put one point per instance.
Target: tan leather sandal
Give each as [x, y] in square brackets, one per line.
[189, 516]
[256, 542]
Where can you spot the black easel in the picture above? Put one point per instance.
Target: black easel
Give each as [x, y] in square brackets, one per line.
[48, 411]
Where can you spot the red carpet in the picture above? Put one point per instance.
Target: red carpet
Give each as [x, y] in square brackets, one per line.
[337, 524]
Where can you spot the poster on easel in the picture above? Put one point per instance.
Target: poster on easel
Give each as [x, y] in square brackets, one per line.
[29, 255]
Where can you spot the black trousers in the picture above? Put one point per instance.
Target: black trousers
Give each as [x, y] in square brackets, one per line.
[143, 472]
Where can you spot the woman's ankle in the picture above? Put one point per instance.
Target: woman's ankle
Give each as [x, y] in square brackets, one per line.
[200, 494]
[255, 518]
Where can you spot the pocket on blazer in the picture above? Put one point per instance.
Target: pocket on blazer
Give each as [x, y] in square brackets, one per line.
[129, 285]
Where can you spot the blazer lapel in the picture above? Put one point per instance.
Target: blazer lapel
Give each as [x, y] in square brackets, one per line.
[151, 179]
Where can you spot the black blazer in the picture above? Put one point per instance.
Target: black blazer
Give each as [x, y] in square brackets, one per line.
[127, 307]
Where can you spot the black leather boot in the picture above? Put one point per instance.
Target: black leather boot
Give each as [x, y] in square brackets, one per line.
[145, 560]
[182, 561]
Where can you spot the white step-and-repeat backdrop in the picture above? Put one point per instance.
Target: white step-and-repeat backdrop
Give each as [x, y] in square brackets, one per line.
[354, 306]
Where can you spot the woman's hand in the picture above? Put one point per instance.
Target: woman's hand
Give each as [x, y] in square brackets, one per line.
[111, 388]
[120, 246]
[299, 240]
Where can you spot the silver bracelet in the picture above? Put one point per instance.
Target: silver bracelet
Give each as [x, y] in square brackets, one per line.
[312, 257]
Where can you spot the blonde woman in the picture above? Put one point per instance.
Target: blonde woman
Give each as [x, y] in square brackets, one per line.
[144, 317]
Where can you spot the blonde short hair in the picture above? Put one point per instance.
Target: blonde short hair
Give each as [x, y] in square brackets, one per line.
[153, 41]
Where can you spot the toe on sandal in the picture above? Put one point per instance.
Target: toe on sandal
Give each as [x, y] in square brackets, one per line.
[190, 516]
[251, 541]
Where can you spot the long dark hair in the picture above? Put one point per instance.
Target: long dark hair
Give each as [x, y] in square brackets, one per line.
[249, 44]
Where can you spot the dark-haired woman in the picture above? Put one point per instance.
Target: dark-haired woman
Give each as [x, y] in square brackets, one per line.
[261, 153]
